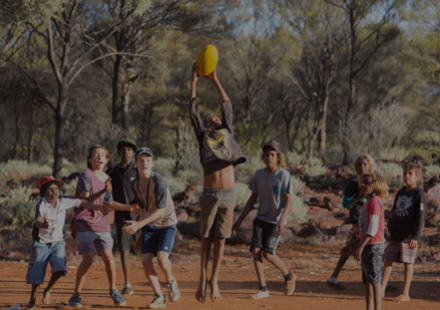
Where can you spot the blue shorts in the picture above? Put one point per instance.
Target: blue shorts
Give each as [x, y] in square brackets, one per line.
[371, 262]
[43, 253]
[157, 239]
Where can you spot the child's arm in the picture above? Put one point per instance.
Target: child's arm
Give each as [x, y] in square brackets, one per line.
[280, 225]
[249, 206]
[40, 222]
[419, 222]
[136, 225]
[108, 186]
[214, 80]
[358, 252]
[133, 208]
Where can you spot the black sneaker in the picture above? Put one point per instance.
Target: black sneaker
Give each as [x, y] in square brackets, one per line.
[337, 286]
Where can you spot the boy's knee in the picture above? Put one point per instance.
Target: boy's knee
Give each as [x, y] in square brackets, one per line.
[267, 255]
[147, 259]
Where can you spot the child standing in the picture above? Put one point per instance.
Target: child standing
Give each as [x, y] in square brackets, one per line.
[48, 235]
[372, 239]
[272, 185]
[406, 226]
[158, 223]
[91, 228]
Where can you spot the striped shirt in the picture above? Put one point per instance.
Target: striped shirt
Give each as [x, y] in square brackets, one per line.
[84, 186]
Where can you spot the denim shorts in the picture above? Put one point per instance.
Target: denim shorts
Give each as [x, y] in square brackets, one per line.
[371, 262]
[156, 239]
[85, 240]
[41, 255]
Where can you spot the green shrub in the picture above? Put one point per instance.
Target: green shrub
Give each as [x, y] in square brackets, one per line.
[69, 189]
[432, 170]
[246, 170]
[17, 207]
[316, 167]
[298, 211]
[243, 193]
[389, 171]
[293, 159]
[298, 185]
[175, 185]
[165, 166]
[21, 170]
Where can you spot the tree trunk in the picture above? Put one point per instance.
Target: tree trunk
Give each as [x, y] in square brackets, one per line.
[115, 89]
[125, 108]
[346, 139]
[322, 134]
[17, 135]
[31, 143]
[59, 132]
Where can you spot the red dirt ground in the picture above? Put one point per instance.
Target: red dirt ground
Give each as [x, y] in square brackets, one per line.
[311, 263]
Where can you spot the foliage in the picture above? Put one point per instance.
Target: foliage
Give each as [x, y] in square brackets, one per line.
[21, 170]
[17, 208]
[297, 185]
[69, 189]
[432, 170]
[175, 185]
[242, 193]
[246, 170]
[298, 210]
[249, 136]
[316, 167]
[165, 166]
[390, 171]
[293, 159]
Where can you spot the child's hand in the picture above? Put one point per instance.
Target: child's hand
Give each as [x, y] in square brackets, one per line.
[235, 227]
[345, 251]
[45, 223]
[357, 253]
[134, 227]
[412, 244]
[108, 184]
[280, 228]
[105, 210]
[212, 77]
[135, 209]
[194, 74]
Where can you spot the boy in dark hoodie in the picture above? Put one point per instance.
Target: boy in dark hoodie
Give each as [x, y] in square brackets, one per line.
[406, 227]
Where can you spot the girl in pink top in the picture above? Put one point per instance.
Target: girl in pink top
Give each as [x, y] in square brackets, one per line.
[372, 246]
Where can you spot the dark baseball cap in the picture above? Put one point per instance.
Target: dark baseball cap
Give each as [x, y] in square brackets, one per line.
[126, 142]
[273, 144]
[143, 150]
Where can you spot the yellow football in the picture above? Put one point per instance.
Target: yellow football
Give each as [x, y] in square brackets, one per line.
[207, 60]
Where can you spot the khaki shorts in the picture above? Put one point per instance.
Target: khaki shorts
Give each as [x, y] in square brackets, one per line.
[217, 212]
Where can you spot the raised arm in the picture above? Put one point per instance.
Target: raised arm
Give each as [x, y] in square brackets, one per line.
[194, 114]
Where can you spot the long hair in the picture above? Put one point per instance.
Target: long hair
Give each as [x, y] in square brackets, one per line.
[418, 170]
[380, 185]
[95, 147]
[369, 159]
[281, 160]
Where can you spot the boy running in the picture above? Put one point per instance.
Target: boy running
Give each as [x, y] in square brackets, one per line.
[219, 154]
[48, 235]
[406, 227]
[272, 185]
[158, 223]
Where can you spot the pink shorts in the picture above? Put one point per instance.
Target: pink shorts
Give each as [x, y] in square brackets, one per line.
[400, 252]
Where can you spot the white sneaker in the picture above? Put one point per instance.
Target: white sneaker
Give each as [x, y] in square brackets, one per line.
[260, 294]
[159, 302]
[173, 289]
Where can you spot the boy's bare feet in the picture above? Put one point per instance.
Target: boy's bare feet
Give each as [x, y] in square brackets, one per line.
[201, 290]
[402, 297]
[46, 297]
[215, 291]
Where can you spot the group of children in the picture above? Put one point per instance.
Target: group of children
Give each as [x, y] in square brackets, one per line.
[145, 194]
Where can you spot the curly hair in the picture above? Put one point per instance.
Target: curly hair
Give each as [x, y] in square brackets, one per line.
[380, 185]
[418, 170]
[369, 159]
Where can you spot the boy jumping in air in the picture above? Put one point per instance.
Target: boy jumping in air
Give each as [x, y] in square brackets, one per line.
[272, 185]
[406, 227]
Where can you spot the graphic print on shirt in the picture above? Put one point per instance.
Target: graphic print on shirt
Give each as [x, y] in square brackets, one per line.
[402, 205]
[218, 144]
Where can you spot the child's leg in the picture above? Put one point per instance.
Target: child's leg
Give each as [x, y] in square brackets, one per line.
[57, 261]
[110, 268]
[33, 300]
[37, 269]
[377, 294]
[83, 269]
[387, 268]
[276, 261]
[219, 248]
[259, 268]
[341, 262]
[409, 270]
[53, 279]
[369, 296]
[150, 272]
[165, 264]
[204, 259]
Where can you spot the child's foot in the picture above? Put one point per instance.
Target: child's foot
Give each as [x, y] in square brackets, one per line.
[201, 291]
[75, 301]
[289, 286]
[46, 297]
[117, 298]
[173, 289]
[215, 291]
[260, 294]
[127, 291]
[158, 302]
[402, 297]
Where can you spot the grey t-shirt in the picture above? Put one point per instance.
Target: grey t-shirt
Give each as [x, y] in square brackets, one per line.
[271, 189]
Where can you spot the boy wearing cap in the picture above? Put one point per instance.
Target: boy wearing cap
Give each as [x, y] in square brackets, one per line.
[122, 175]
[219, 154]
[48, 235]
[158, 223]
[273, 187]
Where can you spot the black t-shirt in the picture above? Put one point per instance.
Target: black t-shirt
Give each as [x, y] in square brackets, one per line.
[122, 190]
[408, 215]
[351, 191]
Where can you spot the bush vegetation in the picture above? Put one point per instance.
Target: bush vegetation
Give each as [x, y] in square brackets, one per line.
[17, 208]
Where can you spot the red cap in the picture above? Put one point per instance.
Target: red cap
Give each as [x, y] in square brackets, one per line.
[274, 145]
[46, 181]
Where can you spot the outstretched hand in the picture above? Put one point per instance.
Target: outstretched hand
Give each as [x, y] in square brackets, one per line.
[45, 223]
[235, 227]
[134, 227]
[135, 209]
[194, 74]
[212, 77]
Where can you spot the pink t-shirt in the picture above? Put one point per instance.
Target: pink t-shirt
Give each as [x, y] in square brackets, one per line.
[371, 220]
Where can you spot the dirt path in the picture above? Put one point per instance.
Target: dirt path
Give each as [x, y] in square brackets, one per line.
[312, 265]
